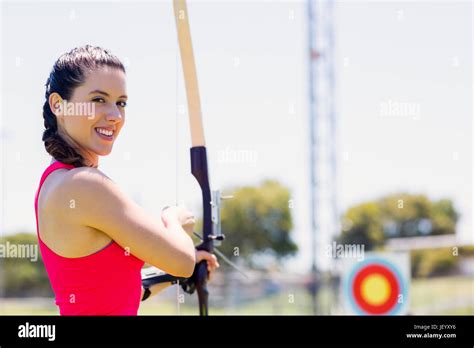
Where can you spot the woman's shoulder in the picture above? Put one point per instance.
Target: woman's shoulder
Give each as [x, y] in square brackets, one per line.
[78, 184]
[75, 178]
[84, 176]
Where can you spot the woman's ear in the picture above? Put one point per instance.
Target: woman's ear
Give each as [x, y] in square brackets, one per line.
[56, 104]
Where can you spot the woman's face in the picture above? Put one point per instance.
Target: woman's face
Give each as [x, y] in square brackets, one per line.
[95, 114]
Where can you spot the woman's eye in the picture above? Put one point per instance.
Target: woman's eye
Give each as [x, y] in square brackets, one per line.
[122, 104]
[99, 100]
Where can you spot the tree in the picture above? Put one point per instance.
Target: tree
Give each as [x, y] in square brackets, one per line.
[363, 225]
[396, 216]
[257, 222]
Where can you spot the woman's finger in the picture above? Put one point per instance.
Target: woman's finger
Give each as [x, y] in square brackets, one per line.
[204, 255]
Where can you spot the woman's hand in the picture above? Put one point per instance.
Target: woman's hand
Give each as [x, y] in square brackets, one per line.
[179, 215]
[212, 263]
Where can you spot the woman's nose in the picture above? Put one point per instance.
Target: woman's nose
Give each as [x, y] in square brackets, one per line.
[114, 114]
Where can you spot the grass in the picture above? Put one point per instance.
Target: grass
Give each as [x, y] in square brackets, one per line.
[444, 296]
[453, 295]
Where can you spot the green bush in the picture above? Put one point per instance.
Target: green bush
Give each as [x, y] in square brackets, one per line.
[433, 262]
[467, 250]
[23, 277]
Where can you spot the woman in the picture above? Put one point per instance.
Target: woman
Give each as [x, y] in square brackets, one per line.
[93, 239]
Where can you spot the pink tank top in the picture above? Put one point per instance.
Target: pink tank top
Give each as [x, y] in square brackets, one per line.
[107, 282]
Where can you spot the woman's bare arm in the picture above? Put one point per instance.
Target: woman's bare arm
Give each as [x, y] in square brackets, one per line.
[212, 265]
[100, 204]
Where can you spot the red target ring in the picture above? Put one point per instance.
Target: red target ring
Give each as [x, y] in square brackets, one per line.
[394, 289]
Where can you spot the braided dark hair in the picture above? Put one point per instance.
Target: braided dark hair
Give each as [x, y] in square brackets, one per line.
[69, 72]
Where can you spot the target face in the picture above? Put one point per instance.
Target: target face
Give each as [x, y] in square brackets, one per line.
[376, 287]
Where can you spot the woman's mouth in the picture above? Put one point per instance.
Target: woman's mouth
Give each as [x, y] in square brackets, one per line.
[104, 133]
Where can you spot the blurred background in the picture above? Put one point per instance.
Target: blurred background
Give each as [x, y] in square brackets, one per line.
[343, 130]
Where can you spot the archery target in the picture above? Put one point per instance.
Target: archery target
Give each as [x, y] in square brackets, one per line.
[378, 285]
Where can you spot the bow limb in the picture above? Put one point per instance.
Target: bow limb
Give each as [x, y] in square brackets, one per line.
[199, 167]
[189, 71]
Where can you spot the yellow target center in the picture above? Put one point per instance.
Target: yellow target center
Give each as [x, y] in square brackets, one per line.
[375, 289]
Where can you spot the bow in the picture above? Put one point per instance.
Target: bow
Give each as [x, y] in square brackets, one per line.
[211, 200]
[199, 167]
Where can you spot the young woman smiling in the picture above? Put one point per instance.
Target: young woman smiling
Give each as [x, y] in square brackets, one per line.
[94, 239]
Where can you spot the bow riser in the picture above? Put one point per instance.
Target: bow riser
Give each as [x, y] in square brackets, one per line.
[199, 170]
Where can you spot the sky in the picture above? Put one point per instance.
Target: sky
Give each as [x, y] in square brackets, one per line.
[252, 69]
